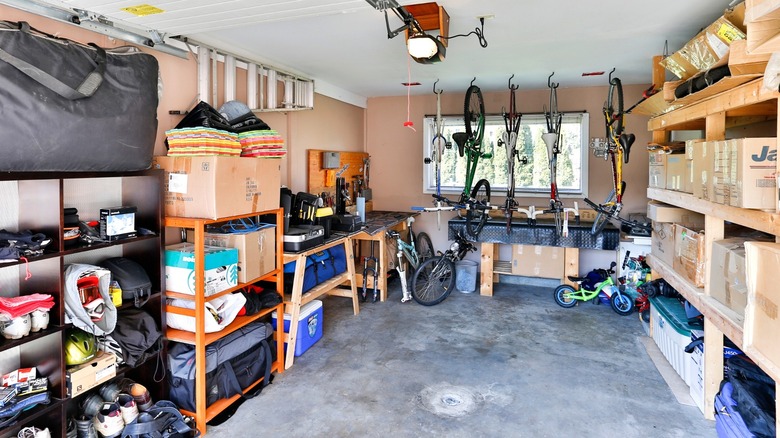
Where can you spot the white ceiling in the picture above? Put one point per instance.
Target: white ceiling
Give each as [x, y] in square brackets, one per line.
[343, 43]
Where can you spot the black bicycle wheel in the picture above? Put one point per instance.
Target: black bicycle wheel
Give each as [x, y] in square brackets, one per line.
[477, 217]
[615, 105]
[433, 281]
[474, 114]
[424, 246]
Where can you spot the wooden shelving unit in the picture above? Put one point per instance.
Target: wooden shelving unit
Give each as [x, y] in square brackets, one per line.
[741, 105]
[200, 339]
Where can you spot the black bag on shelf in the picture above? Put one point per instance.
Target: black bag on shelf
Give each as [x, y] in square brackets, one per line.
[72, 107]
[754, 394]
[232, 364]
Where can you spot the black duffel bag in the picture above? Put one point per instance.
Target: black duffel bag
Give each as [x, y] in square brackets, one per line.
[68, 106]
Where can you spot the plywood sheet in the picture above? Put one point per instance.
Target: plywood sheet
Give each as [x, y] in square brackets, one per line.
[321, 180]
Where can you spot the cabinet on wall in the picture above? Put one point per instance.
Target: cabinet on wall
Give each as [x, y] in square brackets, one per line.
[736, 107]
[35, 201]
[199, 338]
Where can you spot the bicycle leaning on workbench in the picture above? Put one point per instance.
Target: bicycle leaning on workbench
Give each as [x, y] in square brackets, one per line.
[616, 148]
[474, 199]
[418, 249]
[434, 279]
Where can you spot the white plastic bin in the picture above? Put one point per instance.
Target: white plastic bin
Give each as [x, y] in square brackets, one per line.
[466, 276]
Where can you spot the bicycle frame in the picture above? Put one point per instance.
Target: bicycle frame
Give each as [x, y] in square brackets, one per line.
[585, 295]
[439, 143]
[509, 140]
[407, 251]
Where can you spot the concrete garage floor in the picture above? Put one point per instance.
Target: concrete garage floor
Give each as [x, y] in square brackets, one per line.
[512, 365]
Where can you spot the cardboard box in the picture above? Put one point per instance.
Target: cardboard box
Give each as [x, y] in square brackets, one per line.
[708, 47]
[538, 261]
[742, 63]
[82, 378]
[752, 168]
[762, 323]
[675, 171]
[728, 278]
[687, 185]
[657, 171]
[215, 187]
[221, 266]
[662, 242]
[689, 254]
[703, 160]
[661, 212]
[721, 180]
[691, 146]
[256, 250]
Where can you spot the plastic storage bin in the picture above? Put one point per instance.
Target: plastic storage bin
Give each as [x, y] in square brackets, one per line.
[466, 276]
[672, 334]
[309, 326]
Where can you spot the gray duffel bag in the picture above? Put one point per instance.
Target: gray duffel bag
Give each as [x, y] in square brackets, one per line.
[73, 107]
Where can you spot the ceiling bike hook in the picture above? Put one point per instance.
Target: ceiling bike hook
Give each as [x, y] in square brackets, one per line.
[472, 81]
[434, 88]
[610, 74]
[551, 84]
[512, 87]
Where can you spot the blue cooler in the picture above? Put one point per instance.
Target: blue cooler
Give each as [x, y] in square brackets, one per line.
[309, 326]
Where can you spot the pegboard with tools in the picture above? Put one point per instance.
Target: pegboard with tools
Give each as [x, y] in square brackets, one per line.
[321, 180]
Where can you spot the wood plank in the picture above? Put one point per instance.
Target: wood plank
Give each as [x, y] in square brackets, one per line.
[571, 264]
[654, 105]
[743, 95]
[713, 366]
[725, 84]
[756, 219]
[716, 126]
[317, 180]
[486, 276]
[761, 10]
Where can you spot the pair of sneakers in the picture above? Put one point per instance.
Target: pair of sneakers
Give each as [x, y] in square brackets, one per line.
[22, 325]
[112, 417]
[34, 432]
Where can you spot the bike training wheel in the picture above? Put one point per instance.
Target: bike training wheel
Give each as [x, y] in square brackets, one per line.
[563, 296]
[615, 105]
[474, 114]
[475, 218]
[424, 246]
[433, 281]
[622, 304]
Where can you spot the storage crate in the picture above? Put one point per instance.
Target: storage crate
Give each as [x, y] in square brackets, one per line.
[309, 326]
[672, 334]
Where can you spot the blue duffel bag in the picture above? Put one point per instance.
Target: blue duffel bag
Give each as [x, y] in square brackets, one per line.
[320, 266]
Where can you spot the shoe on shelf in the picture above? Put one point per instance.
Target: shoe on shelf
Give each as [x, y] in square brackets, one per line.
[110, 391]
[142, 397]
[128, 407]
[34, 432]
[39, 320]
[85, 428]
[108, 421]
[70, 430]
[91, 405]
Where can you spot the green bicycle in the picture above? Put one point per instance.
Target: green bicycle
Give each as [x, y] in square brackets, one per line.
[567, 295]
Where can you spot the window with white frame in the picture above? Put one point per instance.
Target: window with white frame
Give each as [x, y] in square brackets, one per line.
[532, 178]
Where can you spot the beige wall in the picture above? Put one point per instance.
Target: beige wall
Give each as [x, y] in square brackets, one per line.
[397, 151]
[332, 125]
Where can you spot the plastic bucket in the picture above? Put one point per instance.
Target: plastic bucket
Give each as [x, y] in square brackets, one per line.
[466, 276]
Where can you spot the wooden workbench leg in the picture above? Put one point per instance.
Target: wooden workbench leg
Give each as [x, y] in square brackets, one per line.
[571, 260]
[350, 254]
[486, 277]
[382, 274]
[294, 307]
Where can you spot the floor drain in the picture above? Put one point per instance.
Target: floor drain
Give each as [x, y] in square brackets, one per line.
[449, 401]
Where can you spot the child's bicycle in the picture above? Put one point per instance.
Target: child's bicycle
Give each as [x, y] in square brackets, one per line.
[589, 288]
[416, 251]
[435, 278]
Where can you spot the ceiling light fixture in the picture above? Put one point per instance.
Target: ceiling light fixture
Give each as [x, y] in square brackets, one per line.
[422, 45]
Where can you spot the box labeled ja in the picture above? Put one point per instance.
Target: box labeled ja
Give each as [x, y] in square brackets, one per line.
[221, 266]
[309, 326]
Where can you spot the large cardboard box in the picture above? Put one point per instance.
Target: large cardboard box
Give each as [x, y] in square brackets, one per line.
[752, 168]
[721, 172]
[221, 266]
[657, 171]
[762, 320]
[82, 378]
[538, 261]
[662, 242]
[689, 254]
[728, 279]
[675, 171]
[661, 212]
[215, 187]
[703, 160]
[743, 63]
[256, 250]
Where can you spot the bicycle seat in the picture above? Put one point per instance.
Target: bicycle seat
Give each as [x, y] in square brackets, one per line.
[460, 139]
[626, 140]
[576, 279]
[393, 234]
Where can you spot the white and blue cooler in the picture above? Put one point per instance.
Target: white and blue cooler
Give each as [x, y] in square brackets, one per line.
[309, 326]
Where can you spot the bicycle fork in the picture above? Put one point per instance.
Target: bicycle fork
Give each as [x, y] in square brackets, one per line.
[370, 269]
[407, 295]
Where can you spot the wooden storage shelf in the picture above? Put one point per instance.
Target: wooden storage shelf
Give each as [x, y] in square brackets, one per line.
[6, 344]
[199, 338]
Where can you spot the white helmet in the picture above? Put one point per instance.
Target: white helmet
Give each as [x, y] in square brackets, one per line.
[17, 327]
[40, 320]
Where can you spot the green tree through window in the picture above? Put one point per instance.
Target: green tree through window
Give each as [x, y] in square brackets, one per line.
[532, 178]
